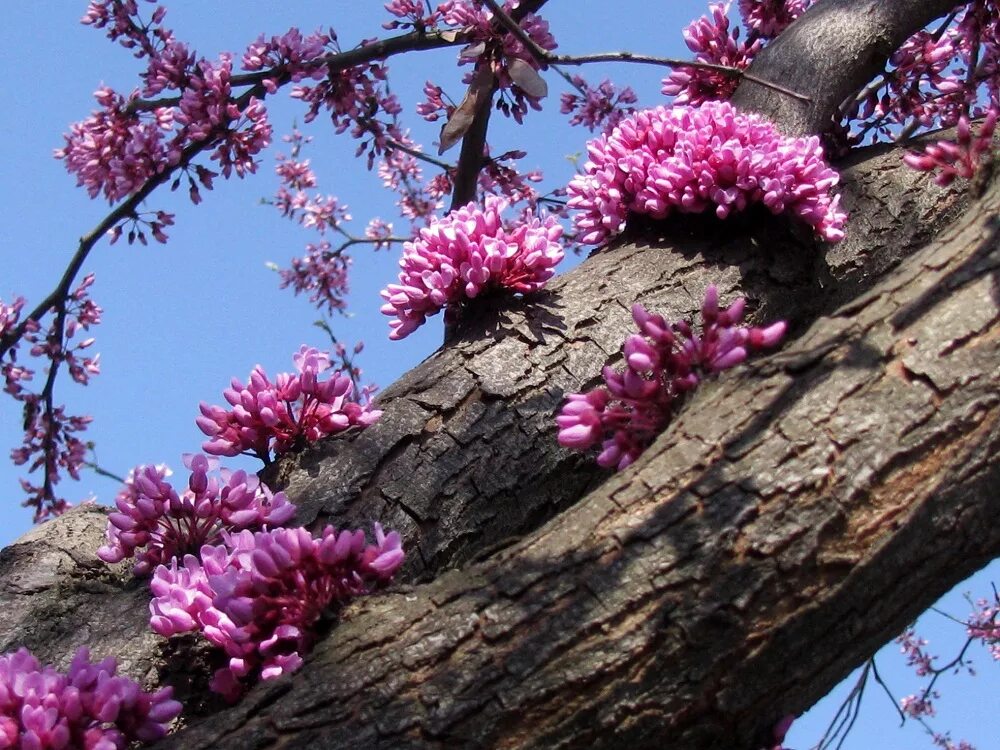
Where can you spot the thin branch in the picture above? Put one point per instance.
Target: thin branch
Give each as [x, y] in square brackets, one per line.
[417, 154]
[471, 159]
[844, 719]
[102, 472]
[335, 62]
[671, 62]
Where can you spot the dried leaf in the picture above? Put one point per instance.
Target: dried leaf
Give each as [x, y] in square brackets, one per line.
[461, 119]
[450, 36]
[472, 51]
[527, 78]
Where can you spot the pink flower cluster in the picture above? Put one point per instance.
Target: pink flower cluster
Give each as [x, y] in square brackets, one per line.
[322, 274]
[88, 708]
[663, 363]
[273, 417]
[51, 441]
[599, 107]
[984, 625]
[293, 55]
[154, 523]
[467, 253]
[689, 159]
[258, 596]
[768, 18]
[127, 142]
[501, 50]
[710, 38]
[940, 77]
[960, 157]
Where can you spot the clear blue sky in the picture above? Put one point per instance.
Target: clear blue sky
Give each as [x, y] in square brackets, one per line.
[181, 319]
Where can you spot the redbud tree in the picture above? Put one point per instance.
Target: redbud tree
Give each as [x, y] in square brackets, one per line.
[612, 534]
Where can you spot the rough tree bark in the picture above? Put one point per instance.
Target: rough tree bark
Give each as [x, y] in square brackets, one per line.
[793, 518]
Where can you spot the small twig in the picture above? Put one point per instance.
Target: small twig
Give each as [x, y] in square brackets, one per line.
[417, 154]
[885, 688]
[844, 719]
[674, 63]
[102, 472]
[515, 29]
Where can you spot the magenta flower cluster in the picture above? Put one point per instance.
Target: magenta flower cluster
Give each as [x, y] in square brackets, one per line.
[258, 595]
[51, 436]
[692, 159]
[465, 254]
[598, 107]
[768, 18]
[960, 157]
[88, 708]
[273, 417]
[154, 522]
[712, 42]
[506, 55]
[663, 363]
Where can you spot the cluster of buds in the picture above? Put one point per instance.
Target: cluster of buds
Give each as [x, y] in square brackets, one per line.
[258, 595]
[154, 522]
[296, 408]
[960, 157]
[51, 436]
[468, 252]
[598, 107]
[691, 159]
[88, 707]
[663, 363]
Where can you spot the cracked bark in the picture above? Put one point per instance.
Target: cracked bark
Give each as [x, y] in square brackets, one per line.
[794, 517]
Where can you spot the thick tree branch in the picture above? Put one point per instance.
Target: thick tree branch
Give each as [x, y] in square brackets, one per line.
[792, 519]
[464, 457]
[828, 54]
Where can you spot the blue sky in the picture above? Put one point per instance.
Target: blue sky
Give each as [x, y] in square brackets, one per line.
[181, 319]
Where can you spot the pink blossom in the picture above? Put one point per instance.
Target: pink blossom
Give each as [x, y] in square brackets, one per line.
[258, 595]
[712, 42]
[768, 18]
[691, 159]
[296, 408]
[662, 363]
[597, 108]
[960, 157]
[499, 49]
[291, 54]
[154, 522]
[88, 707]
[918, 706]
[114, 151]
[322, 274]
[467, 253]
[51, 437]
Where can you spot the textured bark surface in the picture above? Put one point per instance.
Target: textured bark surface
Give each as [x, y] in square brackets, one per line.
[465, 455]
[828, 54]
[794, 517]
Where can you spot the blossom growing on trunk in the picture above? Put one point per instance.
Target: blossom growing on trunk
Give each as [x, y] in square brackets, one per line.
[154, 522]
[88, 707]
[465, 254]
[693, 159]
[768, 18]
[960, 157]
[663, 362]
[295, 408]
[259, 595]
